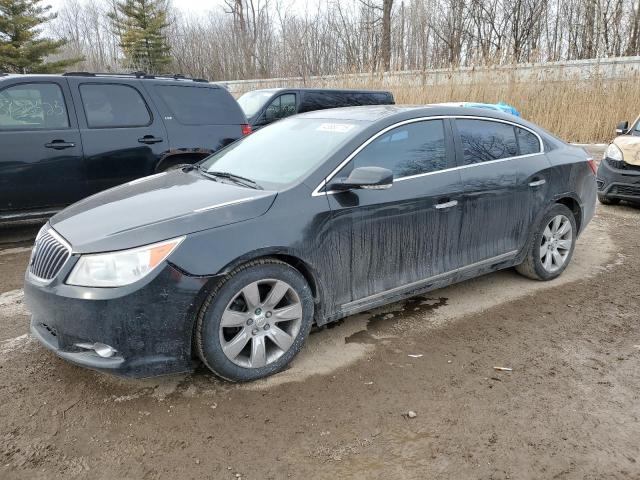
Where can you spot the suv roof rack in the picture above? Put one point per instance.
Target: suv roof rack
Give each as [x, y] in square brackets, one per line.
[144, 75]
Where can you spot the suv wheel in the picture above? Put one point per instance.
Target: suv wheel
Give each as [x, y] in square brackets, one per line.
[552, 245]
[255, 321]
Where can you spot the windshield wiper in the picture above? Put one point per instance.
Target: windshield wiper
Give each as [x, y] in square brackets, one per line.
[247, 182]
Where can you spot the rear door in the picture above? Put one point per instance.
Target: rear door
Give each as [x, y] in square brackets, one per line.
[504, 173]
[408, 233]
[200, 118]
[41, 155]
[123, 136]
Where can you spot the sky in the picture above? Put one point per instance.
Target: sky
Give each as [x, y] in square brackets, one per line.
[204, 6]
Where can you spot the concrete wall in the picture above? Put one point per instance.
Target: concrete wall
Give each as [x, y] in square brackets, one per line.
[576, 70]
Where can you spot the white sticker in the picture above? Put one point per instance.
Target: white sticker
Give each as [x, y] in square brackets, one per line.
[335, 127]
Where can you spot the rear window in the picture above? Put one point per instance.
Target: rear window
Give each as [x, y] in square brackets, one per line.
[113, 106]
[485, 140]
[192, 105]
[320, 100]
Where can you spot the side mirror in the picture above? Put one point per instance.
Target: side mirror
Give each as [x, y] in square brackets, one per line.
[370, 178]
[622, 128]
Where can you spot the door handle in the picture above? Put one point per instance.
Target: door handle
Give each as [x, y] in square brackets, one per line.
[537, 183]
[59, 144]
[449, 204]
[149, 139]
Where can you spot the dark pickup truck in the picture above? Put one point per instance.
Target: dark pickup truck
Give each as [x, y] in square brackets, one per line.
[263, 107]
[65, 137]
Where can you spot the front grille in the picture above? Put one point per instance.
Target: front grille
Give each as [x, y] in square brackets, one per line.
[630, 190]
[49, 255]
[622, 165]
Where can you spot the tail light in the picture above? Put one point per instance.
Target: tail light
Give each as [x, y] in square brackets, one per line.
[592, 164]
[246, 129]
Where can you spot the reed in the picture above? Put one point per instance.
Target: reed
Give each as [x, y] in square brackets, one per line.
[583, 110]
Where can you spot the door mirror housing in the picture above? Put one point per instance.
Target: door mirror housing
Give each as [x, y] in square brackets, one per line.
[368, 178]
[622, 128]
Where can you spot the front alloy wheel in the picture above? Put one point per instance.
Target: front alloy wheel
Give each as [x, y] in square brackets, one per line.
[260, 324]
[254, 321]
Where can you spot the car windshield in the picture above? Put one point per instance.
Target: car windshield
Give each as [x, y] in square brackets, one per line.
[252, 102]
[284, 152]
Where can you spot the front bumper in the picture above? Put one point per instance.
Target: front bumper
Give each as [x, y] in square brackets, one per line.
[622, 183]
[150, 326]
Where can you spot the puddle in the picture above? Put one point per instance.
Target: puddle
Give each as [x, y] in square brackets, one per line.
[385, 318]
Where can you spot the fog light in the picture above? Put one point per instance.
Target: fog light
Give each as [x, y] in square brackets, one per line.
[101, 349]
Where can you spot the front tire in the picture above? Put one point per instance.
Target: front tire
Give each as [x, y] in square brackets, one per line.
[552, 246]
[255, 321]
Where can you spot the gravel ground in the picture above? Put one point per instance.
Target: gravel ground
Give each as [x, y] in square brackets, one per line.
[569, 409]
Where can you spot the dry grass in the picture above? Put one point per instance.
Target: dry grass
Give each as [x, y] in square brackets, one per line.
[576, 110]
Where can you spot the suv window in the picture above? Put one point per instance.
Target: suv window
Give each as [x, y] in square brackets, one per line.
[485, 140]
[281, 107]
[200, 105]
[33, 106]
[113, 105]
[528, 143]
[410, 149]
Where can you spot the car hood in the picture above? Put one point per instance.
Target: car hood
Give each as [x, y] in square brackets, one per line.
[630, 147]
[156, 208]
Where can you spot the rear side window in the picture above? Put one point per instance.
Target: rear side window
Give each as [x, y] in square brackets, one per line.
[484, 140]
[410, 149]
[200, 105]
[113, 105]
[528, 143]
[33, 106]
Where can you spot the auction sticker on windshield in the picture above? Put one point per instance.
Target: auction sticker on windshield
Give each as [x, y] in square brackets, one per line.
[335, 127]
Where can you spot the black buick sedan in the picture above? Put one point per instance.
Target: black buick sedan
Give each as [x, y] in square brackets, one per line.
[309, 220]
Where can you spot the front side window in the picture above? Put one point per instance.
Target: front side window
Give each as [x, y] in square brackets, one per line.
[281, 107]
[111, 105]
[485, 140]
[284, 152]
[33, 106]
[411, 149]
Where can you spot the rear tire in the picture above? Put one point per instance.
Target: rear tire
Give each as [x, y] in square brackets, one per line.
[255, 321]
[552, 245]
[603, 199]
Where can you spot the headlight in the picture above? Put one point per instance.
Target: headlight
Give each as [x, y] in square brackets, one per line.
[124, 267]
[614, 153]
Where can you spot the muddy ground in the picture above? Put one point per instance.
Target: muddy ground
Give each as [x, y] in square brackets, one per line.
[569, 410]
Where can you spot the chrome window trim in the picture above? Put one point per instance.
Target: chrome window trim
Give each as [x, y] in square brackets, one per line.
[317, 193]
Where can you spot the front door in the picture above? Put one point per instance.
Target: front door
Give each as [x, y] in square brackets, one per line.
[41, 159]
[122, 135]
[409, 233]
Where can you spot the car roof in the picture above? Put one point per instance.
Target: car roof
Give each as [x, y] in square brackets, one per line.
[321, 90]
[374, 113]
[178, 79]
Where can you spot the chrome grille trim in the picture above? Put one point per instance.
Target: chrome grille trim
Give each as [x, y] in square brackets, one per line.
[49, 255]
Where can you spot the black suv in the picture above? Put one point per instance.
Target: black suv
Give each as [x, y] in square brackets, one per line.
[64, 137]
[263, 107]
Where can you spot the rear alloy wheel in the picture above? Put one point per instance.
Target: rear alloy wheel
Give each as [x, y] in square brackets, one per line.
[255, 321]
[552, 245]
